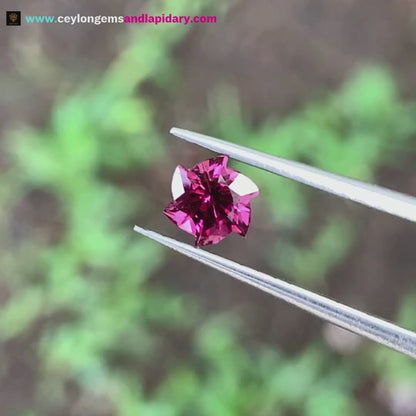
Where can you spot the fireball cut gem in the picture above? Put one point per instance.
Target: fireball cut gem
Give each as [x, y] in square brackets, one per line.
[211, 200]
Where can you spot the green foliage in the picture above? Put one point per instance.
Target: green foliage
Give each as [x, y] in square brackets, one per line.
[310, 265]
[354, 132]
[90, 289]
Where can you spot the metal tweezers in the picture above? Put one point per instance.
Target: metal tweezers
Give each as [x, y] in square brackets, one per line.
[376, 197]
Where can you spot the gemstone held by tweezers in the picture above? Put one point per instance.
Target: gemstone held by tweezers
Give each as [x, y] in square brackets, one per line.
[211, 200]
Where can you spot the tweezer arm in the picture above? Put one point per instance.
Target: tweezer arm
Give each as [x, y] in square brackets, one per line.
[361, 323]
[383, 199]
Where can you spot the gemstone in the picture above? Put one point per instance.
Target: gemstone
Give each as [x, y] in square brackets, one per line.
[211, 200]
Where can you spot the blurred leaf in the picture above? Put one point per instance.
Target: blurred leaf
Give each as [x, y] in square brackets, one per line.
[22, 310]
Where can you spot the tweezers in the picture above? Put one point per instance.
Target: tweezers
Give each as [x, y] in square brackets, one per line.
[383, 199]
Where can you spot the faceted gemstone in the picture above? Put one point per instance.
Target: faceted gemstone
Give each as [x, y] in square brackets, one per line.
[211, 200]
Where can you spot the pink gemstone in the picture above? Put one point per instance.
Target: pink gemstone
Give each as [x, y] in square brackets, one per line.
[211, 200]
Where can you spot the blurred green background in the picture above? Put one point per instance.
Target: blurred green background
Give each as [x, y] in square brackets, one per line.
[97, 321]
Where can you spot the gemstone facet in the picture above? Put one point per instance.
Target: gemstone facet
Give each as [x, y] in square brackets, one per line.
[211, 200]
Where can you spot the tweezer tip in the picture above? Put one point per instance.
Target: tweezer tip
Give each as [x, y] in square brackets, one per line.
[140, 230]
[151, 234]
[175, 131]
[182, 133]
